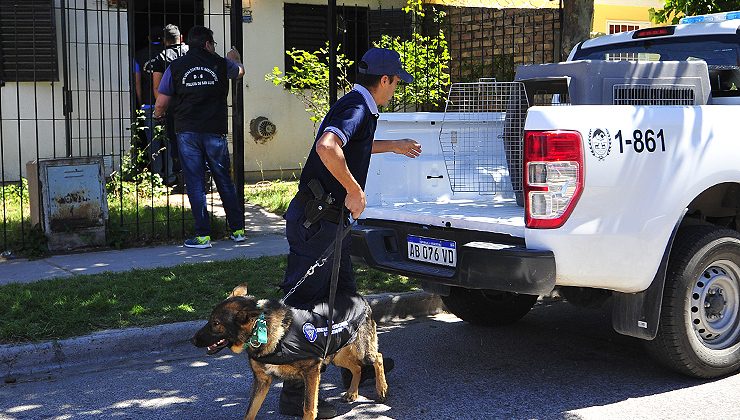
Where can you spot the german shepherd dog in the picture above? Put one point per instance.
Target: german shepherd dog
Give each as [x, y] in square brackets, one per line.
[232, 322]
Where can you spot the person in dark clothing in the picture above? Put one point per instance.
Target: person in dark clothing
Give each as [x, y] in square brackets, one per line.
[173, 49]
[339, 161]
[197, 85]
[143, 79]
[144, 58]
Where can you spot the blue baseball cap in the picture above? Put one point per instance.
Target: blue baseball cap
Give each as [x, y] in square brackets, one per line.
[381, 61]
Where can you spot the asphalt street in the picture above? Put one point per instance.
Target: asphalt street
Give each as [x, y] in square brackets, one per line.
[558, 362]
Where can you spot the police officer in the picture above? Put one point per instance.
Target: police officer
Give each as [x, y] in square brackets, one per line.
[197, 84]
[335, 171]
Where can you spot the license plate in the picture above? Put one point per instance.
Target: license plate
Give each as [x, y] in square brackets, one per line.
[435, 251]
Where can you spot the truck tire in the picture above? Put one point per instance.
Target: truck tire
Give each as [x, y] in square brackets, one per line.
[488, 307]
[699, 328]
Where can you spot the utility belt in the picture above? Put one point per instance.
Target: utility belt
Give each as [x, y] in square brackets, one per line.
[318, 204]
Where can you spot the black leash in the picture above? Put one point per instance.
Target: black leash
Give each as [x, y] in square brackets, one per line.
[335, 276]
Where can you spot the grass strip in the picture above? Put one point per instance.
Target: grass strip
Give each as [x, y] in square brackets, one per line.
[273, 196]
[68, 307]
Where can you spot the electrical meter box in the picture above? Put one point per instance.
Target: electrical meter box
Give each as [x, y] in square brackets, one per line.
[67, 197]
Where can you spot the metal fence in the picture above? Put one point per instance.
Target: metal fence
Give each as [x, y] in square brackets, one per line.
[68, 75]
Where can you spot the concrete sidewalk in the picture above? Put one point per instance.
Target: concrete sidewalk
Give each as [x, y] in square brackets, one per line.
[265, 236]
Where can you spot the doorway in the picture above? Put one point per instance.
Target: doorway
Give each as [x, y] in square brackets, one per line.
[158, 13]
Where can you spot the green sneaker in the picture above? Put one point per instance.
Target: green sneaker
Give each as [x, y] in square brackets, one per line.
[238, 236]
[199, 242]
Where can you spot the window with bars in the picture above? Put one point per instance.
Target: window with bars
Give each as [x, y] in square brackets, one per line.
[306, 28]
[28, 45]
[616, 28]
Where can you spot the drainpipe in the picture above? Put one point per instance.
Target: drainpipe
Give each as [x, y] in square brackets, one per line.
[332, 27]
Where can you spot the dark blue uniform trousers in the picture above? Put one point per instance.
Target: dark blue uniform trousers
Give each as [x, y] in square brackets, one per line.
[306, 246]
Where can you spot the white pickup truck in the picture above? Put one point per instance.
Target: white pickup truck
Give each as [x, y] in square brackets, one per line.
[615, 174]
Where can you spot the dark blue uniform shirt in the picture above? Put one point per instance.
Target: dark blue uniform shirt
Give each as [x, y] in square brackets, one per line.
[354, 122]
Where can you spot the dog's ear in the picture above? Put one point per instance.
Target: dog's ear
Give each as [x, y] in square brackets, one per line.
[240, 290]
[246, 315]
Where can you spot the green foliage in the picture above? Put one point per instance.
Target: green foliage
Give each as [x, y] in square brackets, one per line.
[130, 180]
[15, 193]
[139, 156]
[15, 210]
[35, 244]
[415, 7]
[308, 79]
[674, 10]
[117, 235]
[426, 57]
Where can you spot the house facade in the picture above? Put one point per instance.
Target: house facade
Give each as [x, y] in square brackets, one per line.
[68, 79]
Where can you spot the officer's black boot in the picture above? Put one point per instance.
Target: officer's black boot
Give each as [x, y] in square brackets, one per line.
[291, 401]
[368, 372]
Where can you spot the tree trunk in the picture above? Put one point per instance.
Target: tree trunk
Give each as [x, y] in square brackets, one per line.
[578, 17]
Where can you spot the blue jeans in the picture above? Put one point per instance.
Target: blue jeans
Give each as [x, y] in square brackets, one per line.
[195, 150]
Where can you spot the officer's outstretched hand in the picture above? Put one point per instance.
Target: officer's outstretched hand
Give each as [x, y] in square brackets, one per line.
[408, 147]
[355, 202]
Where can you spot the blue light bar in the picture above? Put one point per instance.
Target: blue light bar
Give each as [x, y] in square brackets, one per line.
[714, 17]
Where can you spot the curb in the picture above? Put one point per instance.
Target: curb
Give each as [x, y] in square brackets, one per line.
[102, 347]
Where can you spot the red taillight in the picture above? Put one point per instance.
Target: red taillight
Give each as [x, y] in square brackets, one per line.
[651, 32]
[553, 176]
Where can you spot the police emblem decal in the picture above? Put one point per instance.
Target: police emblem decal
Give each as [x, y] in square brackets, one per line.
[309, 331]
[600, 142]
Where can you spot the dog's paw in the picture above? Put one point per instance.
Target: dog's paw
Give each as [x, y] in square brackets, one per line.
[381, 398]
[349, 397]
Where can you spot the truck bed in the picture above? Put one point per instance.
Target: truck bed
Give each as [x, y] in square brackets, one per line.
[418, 190]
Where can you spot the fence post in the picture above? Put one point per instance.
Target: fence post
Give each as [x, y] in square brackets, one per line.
[237, 100]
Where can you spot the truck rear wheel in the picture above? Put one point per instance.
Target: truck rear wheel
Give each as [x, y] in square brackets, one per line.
[699, 331]
[488, 307]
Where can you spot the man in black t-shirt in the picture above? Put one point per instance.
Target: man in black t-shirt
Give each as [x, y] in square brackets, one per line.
[339, 161]
[196, 86]
[143, 84]
[173, 49]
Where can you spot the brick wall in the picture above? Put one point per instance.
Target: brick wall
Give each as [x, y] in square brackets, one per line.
[492, 42]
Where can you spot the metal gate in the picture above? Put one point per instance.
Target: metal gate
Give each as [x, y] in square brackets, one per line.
[69, 90]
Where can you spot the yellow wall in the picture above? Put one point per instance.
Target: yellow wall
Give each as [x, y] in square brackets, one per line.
[623, 11]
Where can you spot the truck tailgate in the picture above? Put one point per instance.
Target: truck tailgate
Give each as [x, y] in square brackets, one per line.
[480, 214]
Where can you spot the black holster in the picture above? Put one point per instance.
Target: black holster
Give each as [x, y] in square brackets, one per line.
[318, 204]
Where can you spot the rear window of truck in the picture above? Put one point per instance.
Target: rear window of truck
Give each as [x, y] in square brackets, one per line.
[721, 52]
[718, 50]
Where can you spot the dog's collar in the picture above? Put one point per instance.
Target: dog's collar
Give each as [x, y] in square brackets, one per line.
[259, 332]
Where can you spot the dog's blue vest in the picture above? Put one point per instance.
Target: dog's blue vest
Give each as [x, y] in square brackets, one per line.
[307, 335]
